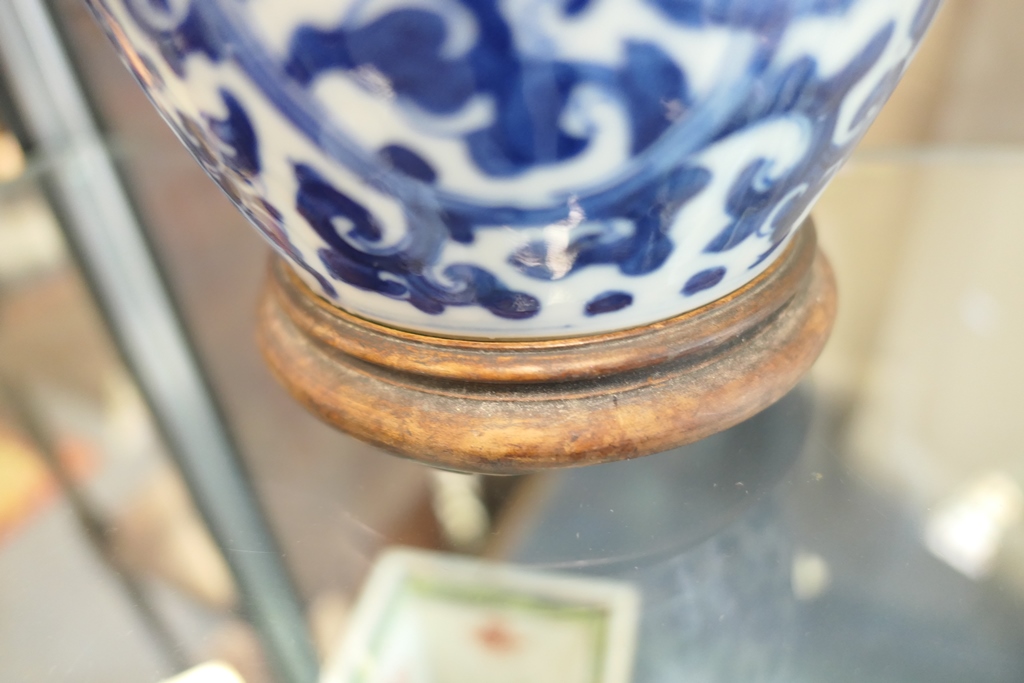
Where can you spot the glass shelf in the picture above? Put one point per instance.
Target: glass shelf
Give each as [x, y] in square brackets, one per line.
[870, 527]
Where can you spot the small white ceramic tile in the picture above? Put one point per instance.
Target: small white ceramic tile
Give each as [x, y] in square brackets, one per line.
[428, 617]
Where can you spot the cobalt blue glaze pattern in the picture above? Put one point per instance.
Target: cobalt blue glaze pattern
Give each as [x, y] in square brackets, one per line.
[520, 168]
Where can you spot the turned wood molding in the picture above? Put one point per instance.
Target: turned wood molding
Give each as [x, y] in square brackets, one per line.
[509, 407]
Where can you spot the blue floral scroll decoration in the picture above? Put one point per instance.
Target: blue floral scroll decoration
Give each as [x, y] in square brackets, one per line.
[531, 94]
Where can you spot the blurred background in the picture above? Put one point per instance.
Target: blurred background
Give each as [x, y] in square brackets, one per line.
[880, 519]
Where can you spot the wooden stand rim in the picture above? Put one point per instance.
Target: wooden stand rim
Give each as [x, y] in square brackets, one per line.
[520, 406]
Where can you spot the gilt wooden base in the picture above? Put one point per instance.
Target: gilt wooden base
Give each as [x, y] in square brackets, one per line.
[507, 407]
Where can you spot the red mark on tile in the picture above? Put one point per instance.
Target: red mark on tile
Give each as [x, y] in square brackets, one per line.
[497, 637]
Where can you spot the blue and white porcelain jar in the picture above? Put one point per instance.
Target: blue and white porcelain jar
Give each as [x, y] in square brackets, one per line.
[520, 168]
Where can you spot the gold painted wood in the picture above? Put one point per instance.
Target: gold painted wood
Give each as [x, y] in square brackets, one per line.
[507, 407]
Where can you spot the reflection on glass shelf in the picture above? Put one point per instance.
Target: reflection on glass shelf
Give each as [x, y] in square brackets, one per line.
[926, 347]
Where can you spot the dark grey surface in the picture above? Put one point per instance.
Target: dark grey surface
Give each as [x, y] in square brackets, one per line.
[708, 533]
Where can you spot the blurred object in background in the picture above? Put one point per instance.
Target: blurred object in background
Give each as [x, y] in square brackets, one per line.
[30, 241]
[159, 534]
[458, 505]
[967, 530]
[26, 484]
[216, 672]
[12, 157]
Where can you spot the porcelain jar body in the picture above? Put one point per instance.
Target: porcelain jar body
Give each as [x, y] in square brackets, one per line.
[520, 168]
